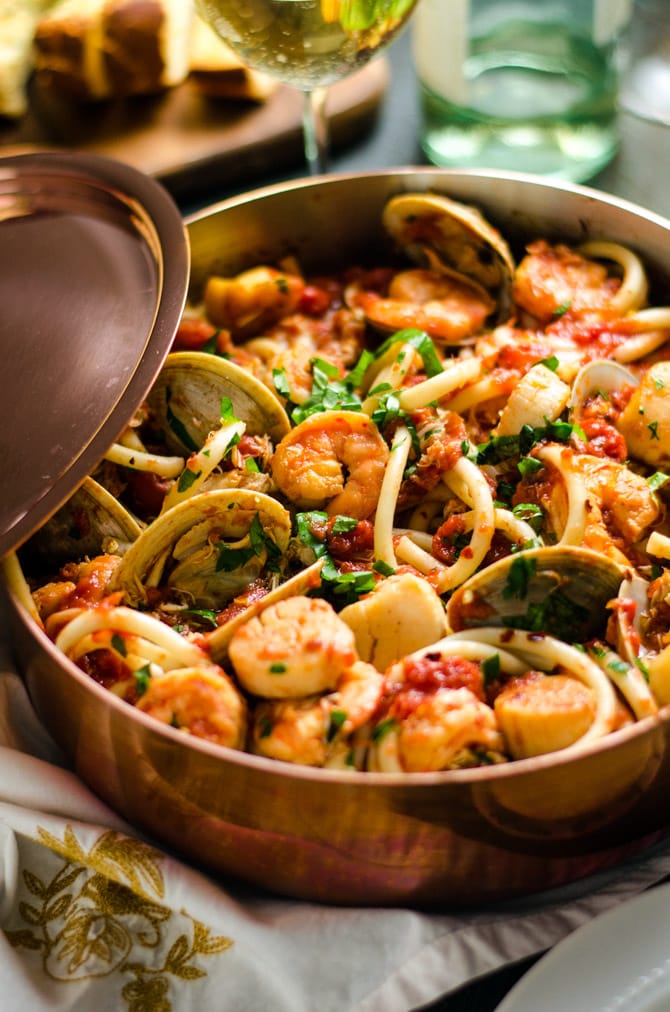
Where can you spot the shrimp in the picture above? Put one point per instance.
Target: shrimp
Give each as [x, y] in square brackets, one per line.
[80, 586]
[252, 301]
[333, 460]
[446, 306]
[201, 701]
[318, 730]
[447, 729]
[295, 363]
[296, 647]
[551, 279]
[592, 501]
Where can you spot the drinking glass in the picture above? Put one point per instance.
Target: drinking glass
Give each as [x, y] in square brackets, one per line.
[528, 84]
[645, 88]
[308, 44]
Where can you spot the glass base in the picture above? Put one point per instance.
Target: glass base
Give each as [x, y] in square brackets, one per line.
[573, 153]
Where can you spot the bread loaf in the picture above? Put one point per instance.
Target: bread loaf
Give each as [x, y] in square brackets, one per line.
[97, 49]
[91, 50]
[217, 71]
[17, 27]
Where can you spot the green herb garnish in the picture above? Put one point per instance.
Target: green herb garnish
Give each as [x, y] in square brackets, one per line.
[142, 678]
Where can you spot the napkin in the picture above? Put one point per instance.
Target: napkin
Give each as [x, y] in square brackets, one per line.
[96, 916]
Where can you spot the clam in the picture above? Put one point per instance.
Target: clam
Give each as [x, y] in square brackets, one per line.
[561, 590]
[627, 624]
[433, 229]
[207, 549]
[639, 637]
[602, 376]
[92, 522]
[186, 399]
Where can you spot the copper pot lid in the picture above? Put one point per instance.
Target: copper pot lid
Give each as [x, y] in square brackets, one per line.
[94, 265]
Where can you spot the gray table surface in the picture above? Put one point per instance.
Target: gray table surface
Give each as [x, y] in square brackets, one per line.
[639, 173]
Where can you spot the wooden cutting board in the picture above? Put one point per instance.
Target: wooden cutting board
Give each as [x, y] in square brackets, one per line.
[191, 142]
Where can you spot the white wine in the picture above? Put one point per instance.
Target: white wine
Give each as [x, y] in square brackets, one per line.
[306, 43]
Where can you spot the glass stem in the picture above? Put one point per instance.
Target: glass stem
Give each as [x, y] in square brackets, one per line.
[315, 130]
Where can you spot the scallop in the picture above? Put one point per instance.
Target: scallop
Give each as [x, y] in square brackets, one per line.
[300, 583]
[645, 422]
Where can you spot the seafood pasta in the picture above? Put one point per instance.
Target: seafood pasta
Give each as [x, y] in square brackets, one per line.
[407, 517]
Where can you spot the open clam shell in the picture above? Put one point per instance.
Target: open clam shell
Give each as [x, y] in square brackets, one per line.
[601, 376]
[459, 235]
[561, 590]
[186, 399]
[92, 522]
[207, 549]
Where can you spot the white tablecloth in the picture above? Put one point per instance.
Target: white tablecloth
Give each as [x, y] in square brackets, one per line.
[97, 918]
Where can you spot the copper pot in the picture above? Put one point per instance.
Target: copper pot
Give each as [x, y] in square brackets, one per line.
[455, 838]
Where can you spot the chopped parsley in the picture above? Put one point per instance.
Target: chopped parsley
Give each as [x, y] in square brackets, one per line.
[382, 729]
[388, 410]
[530, 513]
[344, 588]
[337, 719]
[264, 726]
[211, 346]
[421, 342]
[204, 615]
[500, 448]
[528, 466]
[187, 478]
[641, 666]
[343, 524]
[119, 644]
[557, 616]
[338, 588]
[521, 571]
[177, 426]
[618, 666]
[142, 678]
[329, 392]
[260, 544]
[305, 524]
[383, 568]
[491, 668]
[226, 410]
[280, 380]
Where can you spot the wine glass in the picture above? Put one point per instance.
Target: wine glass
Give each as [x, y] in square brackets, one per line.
[308, 44]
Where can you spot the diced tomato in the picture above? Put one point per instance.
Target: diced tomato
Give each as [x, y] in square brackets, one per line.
[423, 676]
[314, 301]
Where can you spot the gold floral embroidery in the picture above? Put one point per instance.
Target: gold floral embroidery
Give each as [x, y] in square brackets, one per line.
[98, 916]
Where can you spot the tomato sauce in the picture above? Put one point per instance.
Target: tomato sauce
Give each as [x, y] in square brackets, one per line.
[424, 676]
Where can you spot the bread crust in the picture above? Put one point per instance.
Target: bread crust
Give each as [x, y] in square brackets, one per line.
[113, 48]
